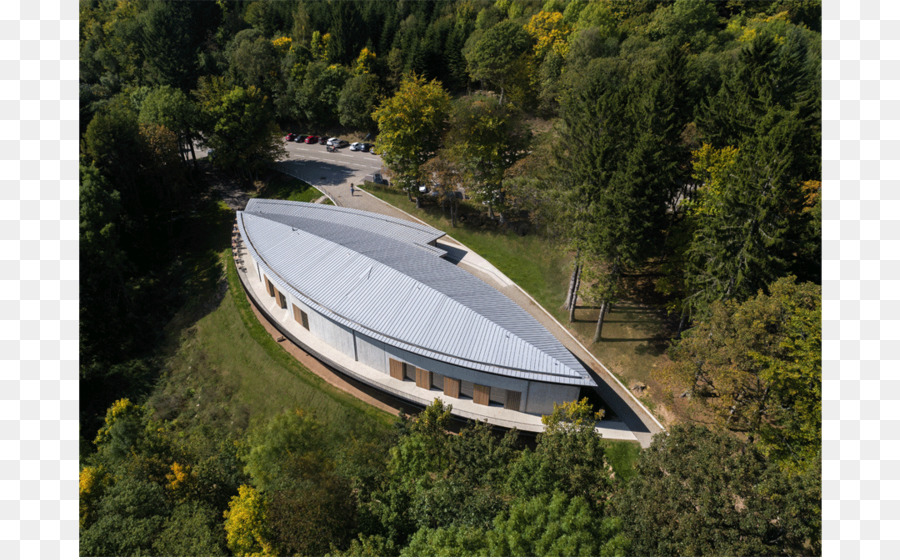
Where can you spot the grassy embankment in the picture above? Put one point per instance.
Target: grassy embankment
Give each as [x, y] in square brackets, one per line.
[236, 372]
[224, 361]
[633, 342]
[284, 187]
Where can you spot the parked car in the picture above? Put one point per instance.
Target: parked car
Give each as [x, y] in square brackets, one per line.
[312, 139]
[342, 144]
[299, 138]
[356, 147]
[376, 178]
[332, 142]
[323, 140]
[290, 137]
[366, 146]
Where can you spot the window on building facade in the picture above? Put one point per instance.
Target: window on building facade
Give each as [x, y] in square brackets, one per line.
[301, 317]
[396, 369]
[513, 400]
[423, 378]
[451, 387]
[481, 394]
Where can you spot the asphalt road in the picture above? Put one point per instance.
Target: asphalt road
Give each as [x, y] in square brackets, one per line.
[315, 165]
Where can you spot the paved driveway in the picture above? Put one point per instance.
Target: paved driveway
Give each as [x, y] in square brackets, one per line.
[332, 173]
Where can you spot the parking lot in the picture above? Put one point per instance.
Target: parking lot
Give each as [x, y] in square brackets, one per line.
[356, 160]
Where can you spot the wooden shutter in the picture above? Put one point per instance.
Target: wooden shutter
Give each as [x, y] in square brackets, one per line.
[451, 387]
[423, 378]
[396, 369]
[282, 301]
[482, 394]
[513, 400]
[270, 287]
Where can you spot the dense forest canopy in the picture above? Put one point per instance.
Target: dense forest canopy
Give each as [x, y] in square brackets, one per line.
[675, 138]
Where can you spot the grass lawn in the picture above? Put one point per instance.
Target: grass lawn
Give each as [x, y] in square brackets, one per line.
[622, 455]
[228, 360]
[284, 187]
[634, 333]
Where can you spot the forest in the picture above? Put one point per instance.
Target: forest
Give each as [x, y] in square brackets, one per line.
[672, 140]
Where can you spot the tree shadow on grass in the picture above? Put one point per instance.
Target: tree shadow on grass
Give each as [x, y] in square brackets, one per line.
[317, 173]
[653, 347]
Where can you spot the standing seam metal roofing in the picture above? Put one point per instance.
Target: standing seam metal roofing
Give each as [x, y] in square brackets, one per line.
[378, 275]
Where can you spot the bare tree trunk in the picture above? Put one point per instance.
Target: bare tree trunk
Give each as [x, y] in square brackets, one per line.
[193, 154]
[182, 151]
[574, 299]
[573, 280]
[568, 303]
[454, 208]
[681, 322]
[604, 307]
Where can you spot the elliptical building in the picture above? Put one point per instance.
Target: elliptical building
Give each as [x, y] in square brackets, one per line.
[376, 298]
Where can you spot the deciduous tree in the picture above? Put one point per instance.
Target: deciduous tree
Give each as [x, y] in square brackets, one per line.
[756, 366]
[555, 525]
[501, 56]
[358, 99]
[246, 524]
[699, 492]
[410, 126]
[484, 139]
[240, 128]
[584, 472]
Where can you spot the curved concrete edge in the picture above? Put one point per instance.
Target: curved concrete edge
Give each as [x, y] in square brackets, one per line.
[505, 279]
[611, 430]
[652, 424]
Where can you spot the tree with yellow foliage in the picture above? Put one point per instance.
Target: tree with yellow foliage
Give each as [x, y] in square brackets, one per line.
[246, 525]
[550, 33]
[410, 126]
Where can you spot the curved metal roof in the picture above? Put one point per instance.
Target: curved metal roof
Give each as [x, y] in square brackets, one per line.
[379, 276]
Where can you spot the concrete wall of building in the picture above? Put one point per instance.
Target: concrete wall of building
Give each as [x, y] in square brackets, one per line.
[541, 396]
[537, 397]
[371, 352]
[335, 335]
[458, 372]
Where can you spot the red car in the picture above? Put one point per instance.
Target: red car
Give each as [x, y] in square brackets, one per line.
[312, 139]
[290, 136]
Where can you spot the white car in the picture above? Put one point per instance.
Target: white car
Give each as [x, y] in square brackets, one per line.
[356, 147]
[332, 142]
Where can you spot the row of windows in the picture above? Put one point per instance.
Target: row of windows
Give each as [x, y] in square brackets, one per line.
[480, 394]
[299, 315]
